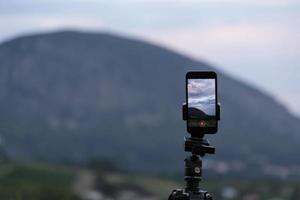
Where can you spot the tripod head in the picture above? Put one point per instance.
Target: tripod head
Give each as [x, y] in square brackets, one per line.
[193, 164]
[198, 146]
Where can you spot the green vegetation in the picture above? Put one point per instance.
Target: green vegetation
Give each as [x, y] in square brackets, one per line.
[43, 181]
[35, 181]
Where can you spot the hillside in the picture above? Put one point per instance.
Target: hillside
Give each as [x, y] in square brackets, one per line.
[74, 96]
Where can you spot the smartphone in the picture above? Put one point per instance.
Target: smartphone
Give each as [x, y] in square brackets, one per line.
[201, 99]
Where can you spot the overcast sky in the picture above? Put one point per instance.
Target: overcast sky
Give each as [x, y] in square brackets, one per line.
[257, 41]
[201, 95]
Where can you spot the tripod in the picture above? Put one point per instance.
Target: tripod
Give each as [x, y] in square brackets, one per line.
[198, 146]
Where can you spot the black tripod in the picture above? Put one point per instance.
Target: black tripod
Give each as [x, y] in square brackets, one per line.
[198, 146]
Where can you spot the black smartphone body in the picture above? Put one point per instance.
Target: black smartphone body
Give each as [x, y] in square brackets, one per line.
[201, 100]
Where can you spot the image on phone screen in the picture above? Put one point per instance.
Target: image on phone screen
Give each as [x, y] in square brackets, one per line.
[201, 103]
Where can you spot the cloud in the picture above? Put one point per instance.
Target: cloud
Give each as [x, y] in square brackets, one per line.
[30, 24]
[205, 2]
[201, 95]
[263, 40]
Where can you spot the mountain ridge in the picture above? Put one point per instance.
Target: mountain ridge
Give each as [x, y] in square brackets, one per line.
[79, 85]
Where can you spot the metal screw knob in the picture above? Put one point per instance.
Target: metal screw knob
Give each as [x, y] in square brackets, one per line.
[208, 196]
[197, 170]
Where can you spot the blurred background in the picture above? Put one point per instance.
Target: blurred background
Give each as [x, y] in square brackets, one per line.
[91, 94]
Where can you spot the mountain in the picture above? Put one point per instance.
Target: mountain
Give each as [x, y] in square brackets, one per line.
[196, 112]
[74, 96]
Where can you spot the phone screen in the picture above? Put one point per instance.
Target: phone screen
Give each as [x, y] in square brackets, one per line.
[201, 96]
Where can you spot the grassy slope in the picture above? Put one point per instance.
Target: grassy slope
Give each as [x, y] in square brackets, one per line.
[35, 181]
